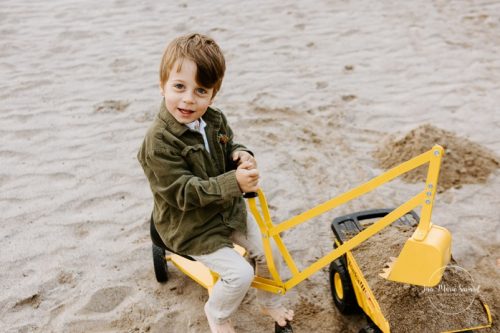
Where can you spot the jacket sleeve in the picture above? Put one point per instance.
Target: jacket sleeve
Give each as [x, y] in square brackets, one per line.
[171, 179]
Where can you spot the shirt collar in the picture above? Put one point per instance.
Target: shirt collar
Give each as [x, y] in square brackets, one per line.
[197, 125]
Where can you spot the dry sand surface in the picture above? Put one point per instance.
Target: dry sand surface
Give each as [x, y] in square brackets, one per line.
[313, 88]
[453, 304]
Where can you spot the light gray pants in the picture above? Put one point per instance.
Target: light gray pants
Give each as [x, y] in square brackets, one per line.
[236, 274]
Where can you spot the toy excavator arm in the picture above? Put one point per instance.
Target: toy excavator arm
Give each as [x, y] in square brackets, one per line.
[423, 258]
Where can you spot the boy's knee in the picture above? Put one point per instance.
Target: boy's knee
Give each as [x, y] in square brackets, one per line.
[244, 276]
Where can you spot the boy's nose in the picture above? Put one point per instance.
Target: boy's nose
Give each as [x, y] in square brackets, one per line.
[188, 98]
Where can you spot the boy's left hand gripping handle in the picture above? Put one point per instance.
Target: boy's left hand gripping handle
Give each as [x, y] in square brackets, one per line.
[249, 195]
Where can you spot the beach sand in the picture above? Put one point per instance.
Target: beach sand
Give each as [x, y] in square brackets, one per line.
[312, 88]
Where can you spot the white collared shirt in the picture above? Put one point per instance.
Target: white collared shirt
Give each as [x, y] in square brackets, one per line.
[199, 126]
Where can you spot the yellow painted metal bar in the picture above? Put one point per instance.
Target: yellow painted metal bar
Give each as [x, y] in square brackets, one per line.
[270, 282]
[267, 285]
[354, 193]
[265, 209]
[286, 255]
[356, 240]
[488, 313]
[258, 217]
[430, 188]
[270, 260]
[264, 223]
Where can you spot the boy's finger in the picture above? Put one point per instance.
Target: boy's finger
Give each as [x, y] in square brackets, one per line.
[255, 176]
[245, 165]
[253, 172]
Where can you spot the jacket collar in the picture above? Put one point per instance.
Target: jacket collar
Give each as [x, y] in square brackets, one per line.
[212, 116]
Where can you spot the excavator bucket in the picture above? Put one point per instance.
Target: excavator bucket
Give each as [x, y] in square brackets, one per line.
[421, 261]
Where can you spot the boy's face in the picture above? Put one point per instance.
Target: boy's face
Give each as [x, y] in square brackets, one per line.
[185, 99]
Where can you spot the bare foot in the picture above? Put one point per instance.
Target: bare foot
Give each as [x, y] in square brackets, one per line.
[280, 315]
[218, 328]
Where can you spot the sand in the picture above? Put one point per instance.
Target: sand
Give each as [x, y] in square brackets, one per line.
[312, 88]
[466, 162]
[453, 304]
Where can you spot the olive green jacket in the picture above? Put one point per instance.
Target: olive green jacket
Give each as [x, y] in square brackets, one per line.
[197, 200]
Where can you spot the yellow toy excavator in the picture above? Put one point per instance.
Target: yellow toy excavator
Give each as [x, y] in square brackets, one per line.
[422, 261]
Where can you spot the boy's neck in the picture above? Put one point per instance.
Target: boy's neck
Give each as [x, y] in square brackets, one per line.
[196, 124]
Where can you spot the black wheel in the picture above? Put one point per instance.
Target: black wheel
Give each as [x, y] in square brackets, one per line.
[160, 264]
[341, 288]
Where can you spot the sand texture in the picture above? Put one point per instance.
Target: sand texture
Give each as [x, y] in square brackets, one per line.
[313, 88]
[449, 306]
[466, 162]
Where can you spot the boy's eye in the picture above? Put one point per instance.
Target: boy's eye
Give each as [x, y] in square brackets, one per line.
[201, 91]
[178, 86]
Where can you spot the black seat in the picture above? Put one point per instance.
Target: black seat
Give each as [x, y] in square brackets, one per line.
[155, 237]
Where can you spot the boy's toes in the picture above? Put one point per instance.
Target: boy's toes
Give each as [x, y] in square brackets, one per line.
[280, 315]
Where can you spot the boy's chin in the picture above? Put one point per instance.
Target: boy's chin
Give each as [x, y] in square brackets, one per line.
[185, 121]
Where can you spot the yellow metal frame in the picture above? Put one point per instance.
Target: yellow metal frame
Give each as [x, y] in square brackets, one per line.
[270, 231]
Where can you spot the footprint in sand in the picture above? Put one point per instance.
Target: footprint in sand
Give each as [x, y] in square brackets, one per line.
[111, 106]
[122, 65]
[81, 231]
[107, 299]
[32, 301]
[321, 85]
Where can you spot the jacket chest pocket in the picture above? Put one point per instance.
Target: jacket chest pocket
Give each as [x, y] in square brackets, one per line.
[198, 160]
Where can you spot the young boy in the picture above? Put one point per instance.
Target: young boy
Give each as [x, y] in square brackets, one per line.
[198, 174]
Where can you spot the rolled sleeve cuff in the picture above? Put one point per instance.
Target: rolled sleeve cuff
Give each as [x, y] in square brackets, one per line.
[229, 185]
[242, 149]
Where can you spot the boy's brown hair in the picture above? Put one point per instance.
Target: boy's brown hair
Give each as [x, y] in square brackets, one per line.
[203, 51]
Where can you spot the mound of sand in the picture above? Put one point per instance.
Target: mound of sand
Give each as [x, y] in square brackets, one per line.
[465, 162]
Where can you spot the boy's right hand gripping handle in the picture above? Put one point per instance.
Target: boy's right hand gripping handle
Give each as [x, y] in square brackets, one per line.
[249, 195]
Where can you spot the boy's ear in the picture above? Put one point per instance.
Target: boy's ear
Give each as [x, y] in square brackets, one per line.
[161, 89]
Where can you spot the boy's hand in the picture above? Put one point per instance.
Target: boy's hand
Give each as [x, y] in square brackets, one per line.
[247, 177]
[239, 157]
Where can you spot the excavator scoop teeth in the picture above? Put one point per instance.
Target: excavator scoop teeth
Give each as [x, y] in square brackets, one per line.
[390, 263]
[388, 267]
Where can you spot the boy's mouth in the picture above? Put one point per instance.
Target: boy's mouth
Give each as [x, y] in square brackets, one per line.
[185, 111]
